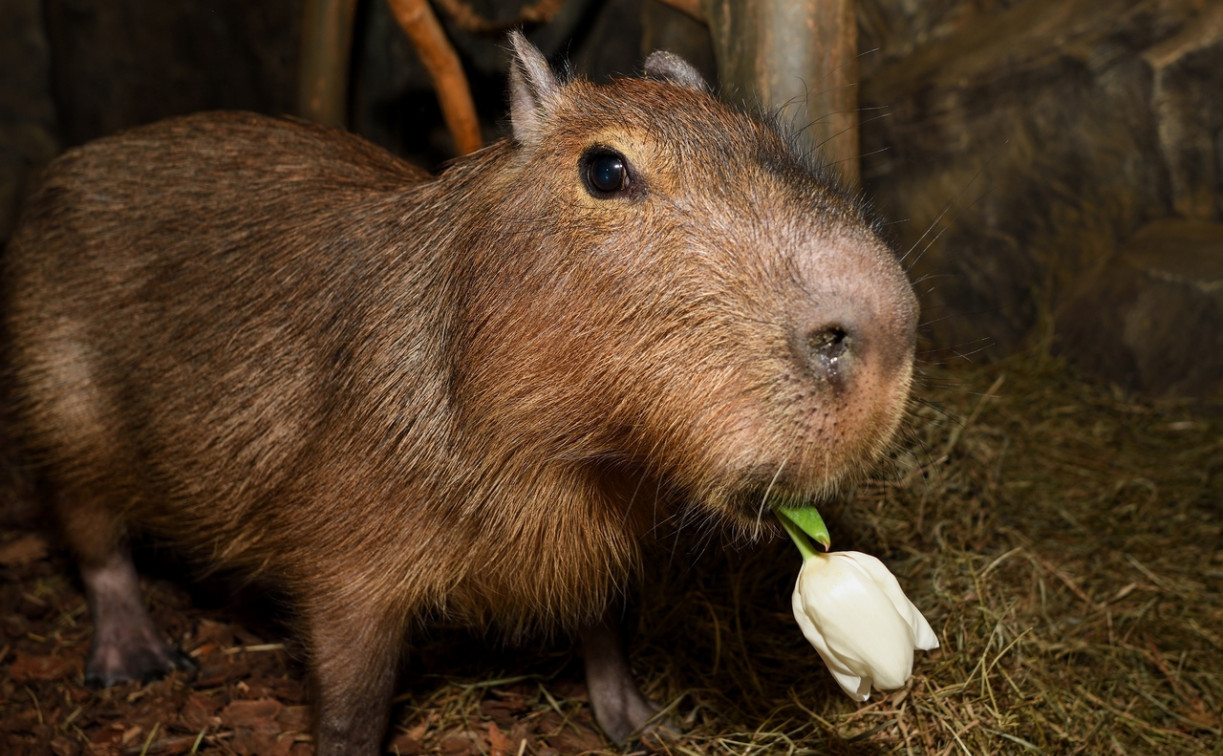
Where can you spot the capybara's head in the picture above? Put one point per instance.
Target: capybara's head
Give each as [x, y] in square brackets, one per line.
[673, 296]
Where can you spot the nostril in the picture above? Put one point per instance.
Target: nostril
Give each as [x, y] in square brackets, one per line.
[826, 351]
[828, 343]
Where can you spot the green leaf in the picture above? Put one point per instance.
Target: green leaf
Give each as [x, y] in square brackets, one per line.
[808, 520]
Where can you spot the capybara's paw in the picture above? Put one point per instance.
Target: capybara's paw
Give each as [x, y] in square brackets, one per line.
[134, 659]
[631, 716]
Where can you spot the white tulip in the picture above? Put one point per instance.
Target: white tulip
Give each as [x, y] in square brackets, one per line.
[860, 621]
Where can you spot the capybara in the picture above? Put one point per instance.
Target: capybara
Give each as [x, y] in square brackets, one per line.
[403, 398]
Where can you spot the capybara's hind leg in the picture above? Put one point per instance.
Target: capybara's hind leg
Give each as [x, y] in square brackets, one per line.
[126, 644]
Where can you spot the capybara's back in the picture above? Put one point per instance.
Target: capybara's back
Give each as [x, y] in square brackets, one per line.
[401, 397]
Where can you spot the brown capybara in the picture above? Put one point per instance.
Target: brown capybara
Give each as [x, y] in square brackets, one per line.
[403, 398]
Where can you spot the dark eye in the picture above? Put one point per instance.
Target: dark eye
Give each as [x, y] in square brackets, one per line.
[605, 173]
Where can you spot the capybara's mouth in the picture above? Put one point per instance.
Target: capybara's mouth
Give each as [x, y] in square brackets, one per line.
[752, 504]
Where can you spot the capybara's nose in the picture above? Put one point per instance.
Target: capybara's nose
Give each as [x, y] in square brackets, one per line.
[858, 342]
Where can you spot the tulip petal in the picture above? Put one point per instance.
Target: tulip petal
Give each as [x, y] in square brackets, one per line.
[857, 688]
[926, 640]
[923, 635]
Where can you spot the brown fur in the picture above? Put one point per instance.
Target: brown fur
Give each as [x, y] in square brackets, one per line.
[402, 397]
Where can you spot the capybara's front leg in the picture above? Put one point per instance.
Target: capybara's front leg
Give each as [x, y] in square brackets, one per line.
[619, 707]
[355, 657]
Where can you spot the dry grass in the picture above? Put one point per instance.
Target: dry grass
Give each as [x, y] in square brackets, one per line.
[1065, 543]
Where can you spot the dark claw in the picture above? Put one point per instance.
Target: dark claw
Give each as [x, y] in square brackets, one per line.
[175, 659]
[181, 660]
[145, 664]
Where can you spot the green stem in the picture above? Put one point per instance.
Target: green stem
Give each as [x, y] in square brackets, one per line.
[804, 546]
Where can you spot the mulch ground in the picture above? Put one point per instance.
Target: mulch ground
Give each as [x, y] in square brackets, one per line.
[1064, 540]
[247, 694]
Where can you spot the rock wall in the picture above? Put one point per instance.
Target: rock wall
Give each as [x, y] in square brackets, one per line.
[1050, 163]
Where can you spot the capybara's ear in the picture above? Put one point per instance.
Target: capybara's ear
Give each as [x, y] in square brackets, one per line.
[668, 66]
[534, 90]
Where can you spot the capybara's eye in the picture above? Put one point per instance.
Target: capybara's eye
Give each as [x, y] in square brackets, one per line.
[605, 172]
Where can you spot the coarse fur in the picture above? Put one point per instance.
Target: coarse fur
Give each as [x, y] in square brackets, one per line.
[401, 397]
